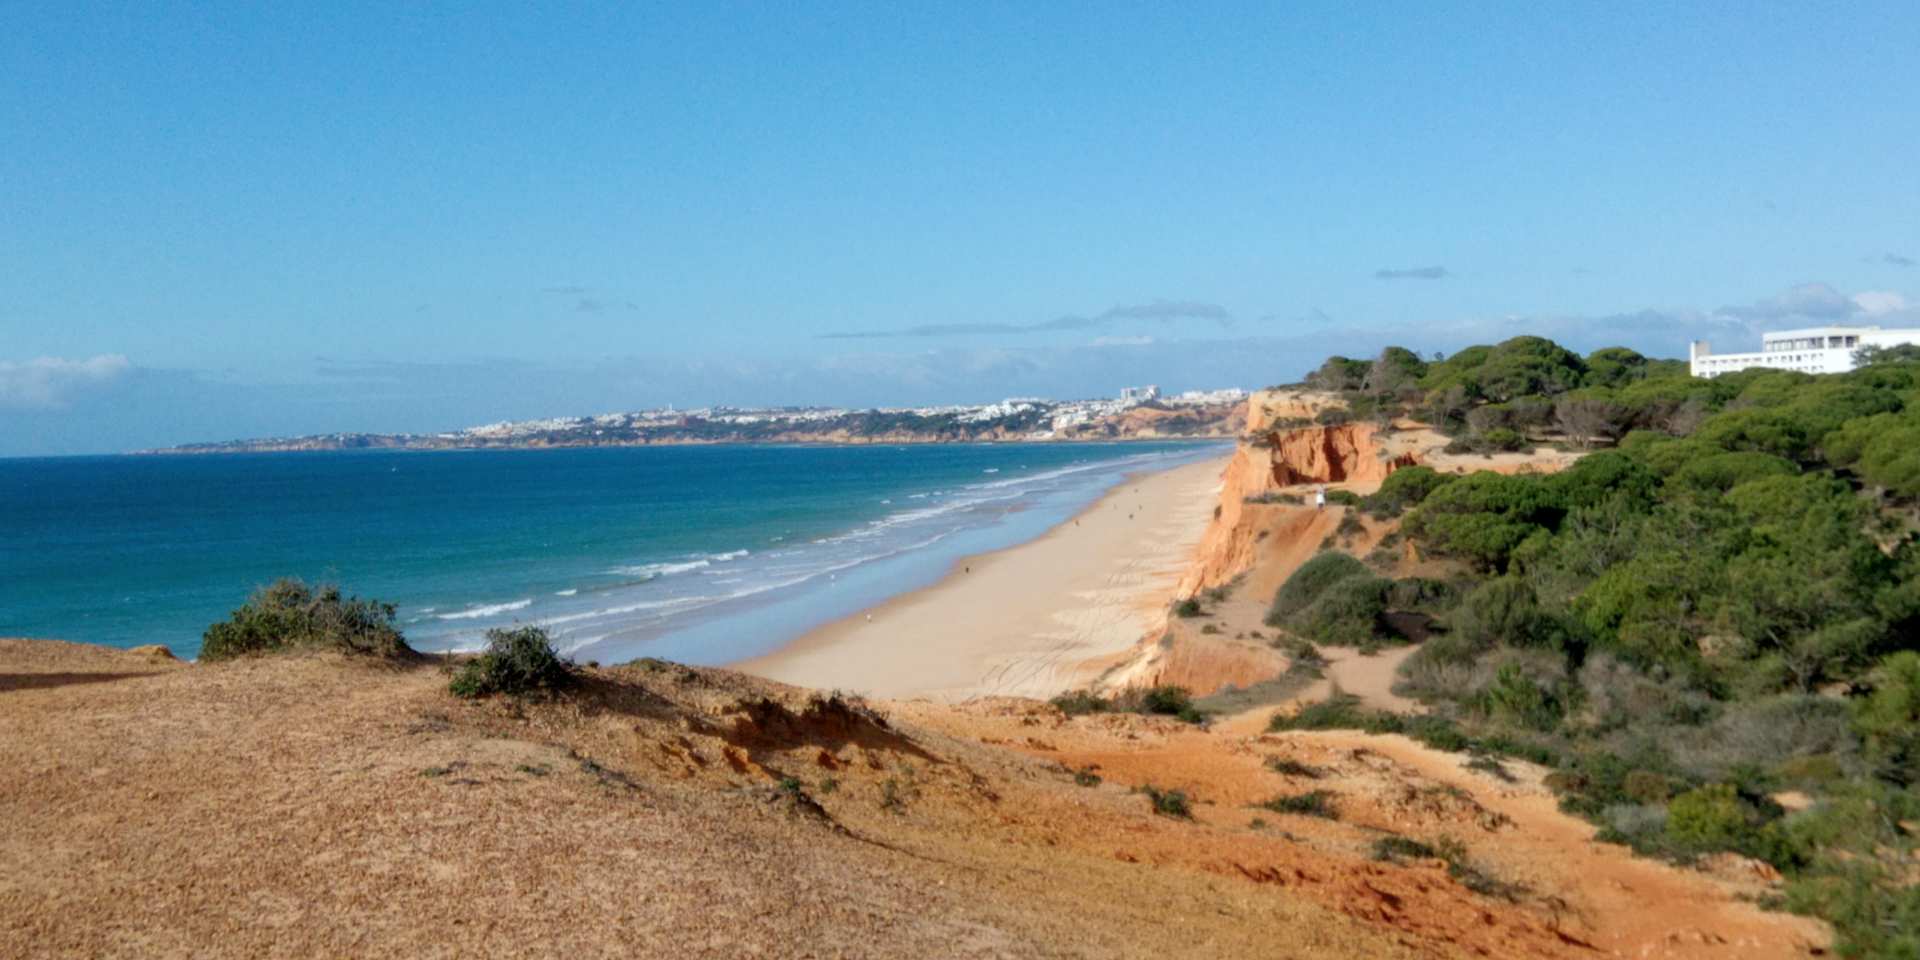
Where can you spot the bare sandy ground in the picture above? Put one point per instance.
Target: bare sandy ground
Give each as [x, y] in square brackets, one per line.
[1030, 620]
[314, 806]
[318, 807]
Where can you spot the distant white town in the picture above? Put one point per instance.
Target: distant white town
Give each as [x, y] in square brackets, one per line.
[1136, 412]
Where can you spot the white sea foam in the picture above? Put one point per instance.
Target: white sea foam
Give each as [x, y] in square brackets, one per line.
[729, 555]
[625, 609]
[649, 571]
[570, 591]
[487, 610]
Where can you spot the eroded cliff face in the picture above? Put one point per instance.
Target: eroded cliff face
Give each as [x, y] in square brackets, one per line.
[1349, 453]
[1273, 456]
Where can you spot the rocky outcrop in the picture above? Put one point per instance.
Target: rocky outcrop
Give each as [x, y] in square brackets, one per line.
[1273, 457]
[1347, 453]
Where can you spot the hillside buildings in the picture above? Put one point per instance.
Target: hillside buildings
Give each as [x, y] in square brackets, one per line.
[1812, 350]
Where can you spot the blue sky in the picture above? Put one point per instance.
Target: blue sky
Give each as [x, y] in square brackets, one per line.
[227, 220]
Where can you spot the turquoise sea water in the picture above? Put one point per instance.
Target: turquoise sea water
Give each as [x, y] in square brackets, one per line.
[701, 554]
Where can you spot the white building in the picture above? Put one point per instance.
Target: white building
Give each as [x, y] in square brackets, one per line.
[1813, 350]
[1139, 394]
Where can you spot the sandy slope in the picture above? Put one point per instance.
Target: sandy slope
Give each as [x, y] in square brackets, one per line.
[1031, 620]
[310, 806]
[314, 806]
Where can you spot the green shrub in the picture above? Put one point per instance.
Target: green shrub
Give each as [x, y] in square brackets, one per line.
[1169, 701]
[1309, 581]
[1496, 440]
[516, 662]
[1169, 803]
[1421, 593]
[1347, 613]
[1395, 848]
[1289, 767]
[1401, 489]
[1504, 611]
[1189, 608]
[1520, 699]
[1076, 703]
[1313, 803]
[1343, 498]
[1709, 818]
[288, 615]
[1888, 719]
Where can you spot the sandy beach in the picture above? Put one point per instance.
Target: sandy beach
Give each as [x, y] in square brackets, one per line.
[1030, 620]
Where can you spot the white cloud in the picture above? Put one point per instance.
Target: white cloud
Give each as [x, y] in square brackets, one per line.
[1876, 303]
[49, 382]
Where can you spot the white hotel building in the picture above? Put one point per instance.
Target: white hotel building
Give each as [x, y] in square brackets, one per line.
[1813, 350]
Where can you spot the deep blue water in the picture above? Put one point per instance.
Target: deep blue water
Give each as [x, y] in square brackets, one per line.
[702, 554]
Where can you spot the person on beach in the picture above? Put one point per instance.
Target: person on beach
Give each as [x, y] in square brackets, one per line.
[1319, 498]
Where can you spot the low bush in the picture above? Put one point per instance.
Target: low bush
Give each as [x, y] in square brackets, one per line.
[1346, 614]
[1076, 703]
[516, 662]
[1310, 580]
[1342, 711]
[1189, 608]
[1274, 496]
[289, 615]
[1169, 803]
[1289, 767]
[1333, 598]
[1401, 489]
[1313, 803]
[1718, 817]
[1496, 440]
[1395, 848]
[1167, 700]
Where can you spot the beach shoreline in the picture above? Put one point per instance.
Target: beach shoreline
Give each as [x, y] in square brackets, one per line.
[1033, 619]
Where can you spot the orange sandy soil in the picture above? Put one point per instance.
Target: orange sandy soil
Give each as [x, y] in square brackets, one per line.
[1571, 896]
[303, 806]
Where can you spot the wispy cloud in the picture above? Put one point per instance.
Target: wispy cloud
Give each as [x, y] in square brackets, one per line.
[49, 383]
[1896, 260]
[1818, 301]
[1412, 273]
[1159, 311]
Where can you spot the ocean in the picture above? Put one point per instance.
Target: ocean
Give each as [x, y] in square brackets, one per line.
[703, 554]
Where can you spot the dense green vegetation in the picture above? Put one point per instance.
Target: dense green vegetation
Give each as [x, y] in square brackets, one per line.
[290, 615]
[516, 662]
[1723, 606]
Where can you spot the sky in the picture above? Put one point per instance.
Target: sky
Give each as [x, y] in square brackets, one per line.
[231, 220]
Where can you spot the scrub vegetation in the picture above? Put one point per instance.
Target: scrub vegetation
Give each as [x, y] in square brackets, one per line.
[288, 615]
[1719, 605]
